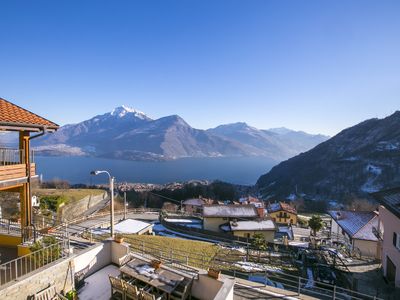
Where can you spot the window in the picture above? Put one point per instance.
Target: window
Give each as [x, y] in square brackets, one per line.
[396, 240]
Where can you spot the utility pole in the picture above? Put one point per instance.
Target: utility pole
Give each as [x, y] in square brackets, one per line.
[112, 205]
[124, 205]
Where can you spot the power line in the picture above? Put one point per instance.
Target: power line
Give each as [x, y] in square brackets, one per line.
[161, 196]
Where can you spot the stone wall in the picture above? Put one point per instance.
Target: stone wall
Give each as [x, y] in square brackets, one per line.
[58, 273]
[77, 208]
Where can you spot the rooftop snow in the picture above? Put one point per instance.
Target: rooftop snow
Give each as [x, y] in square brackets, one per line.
[131, 226]
[353, 221]
[252, 225]
[194, 202]
[233, 211]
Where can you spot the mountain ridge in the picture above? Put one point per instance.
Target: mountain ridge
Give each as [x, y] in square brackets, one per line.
[127, 133]
[357, 161]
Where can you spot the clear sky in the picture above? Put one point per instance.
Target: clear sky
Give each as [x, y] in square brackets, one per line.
[317, 66]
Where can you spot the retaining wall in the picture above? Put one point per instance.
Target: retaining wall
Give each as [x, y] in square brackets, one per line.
[77, 208]
[59, 273]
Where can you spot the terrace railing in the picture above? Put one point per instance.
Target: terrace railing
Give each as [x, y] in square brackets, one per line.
[24, 265]
[9, 156]
[185, 261]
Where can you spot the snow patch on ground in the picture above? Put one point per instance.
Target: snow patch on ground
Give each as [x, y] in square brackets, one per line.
[384, 145]
[373, 169]
[255, 267]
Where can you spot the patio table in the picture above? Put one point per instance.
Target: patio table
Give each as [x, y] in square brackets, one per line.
[163, 279]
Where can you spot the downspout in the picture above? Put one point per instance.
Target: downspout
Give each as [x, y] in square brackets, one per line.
[44, 129]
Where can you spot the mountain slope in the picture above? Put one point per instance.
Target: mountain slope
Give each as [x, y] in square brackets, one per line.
[280, 144]
[126, 133]
[361, 159]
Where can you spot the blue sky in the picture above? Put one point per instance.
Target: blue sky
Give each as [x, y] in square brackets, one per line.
[316, 66]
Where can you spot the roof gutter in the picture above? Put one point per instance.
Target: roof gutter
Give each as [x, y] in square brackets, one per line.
[44, 130]
[32, 127]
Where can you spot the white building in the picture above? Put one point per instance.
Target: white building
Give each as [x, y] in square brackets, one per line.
[355, 229]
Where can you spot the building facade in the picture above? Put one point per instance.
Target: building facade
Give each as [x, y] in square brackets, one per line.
[355, 229]
[389, 231]
[282, 213]
[216, 215]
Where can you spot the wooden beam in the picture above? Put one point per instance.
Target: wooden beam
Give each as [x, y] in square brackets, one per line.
[12, 189]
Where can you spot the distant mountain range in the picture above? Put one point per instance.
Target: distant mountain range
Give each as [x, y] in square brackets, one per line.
[361, 159]
[126, 133]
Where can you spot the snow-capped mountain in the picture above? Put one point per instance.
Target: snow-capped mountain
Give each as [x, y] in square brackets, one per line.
[126, 133]
[359, 160]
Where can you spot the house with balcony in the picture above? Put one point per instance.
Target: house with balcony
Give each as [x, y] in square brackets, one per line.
[282, 213]
[388, 232]
[18, 169]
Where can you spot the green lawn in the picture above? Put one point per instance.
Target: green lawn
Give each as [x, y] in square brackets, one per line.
[71, 195]
[195, 252]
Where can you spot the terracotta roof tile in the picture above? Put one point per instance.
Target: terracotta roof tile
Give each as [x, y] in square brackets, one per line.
[11, 114]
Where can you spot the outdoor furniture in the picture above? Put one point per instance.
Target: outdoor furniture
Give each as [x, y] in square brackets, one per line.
[49, 293]
[131, 291]
[182, 291]
[117, 288]
[162, 279]
[144, 295]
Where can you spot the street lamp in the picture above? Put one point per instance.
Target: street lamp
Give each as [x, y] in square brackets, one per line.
[111, 180]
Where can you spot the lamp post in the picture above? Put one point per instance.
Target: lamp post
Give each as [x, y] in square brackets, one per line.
[111, 180]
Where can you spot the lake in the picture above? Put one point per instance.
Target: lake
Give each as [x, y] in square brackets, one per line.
[239, 170]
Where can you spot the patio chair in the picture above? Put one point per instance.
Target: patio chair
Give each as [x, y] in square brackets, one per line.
[125, 259]
[131, 292]
[183, 290]
[149, 295]
[117, 288]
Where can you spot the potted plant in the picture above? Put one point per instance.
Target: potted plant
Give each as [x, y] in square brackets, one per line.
[214, 273]
[156, 264]
[119, 238]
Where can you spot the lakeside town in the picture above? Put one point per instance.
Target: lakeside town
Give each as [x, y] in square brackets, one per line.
[200, 150]
[94, 242]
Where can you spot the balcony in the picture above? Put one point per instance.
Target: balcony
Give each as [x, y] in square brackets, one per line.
[12, 167]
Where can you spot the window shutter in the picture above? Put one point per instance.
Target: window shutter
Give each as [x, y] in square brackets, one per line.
[394, 239]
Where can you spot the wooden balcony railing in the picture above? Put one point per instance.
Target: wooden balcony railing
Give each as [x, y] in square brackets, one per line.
[10, 156]
[15, 171]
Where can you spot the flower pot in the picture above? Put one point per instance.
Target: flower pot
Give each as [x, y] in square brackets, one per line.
[214, 273]
[119, 239]
[156, 264]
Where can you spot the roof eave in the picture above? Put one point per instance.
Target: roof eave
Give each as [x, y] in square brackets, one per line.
[13, 126]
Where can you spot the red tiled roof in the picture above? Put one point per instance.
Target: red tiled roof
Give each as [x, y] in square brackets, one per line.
[14, 116]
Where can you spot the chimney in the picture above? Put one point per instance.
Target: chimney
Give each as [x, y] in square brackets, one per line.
[338, 215]
[261, 212]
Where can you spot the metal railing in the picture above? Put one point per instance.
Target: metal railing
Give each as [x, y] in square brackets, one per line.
[300, 285]
[9, 156]
[10, 227]
[24, 265]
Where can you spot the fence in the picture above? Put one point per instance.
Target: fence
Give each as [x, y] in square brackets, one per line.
[224, 237]
[307, 286]
[10, 227]
[10, 156]
[24, 265]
